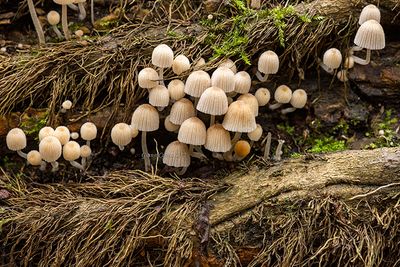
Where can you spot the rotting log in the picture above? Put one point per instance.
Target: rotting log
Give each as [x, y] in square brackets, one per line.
[335, 194]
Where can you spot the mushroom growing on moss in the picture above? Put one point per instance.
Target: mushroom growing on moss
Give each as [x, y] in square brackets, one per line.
[16, 141]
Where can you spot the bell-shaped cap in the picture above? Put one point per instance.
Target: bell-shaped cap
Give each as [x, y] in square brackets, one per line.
[159, 96]
[63, 134]
[218, 139]
[250, 100]
[145, 118]
[256, 134]
[370, 35]
[16, 139]
[182, 110]
[299, 98]
[263, 96]
[197, 82]
[239, 118]
[242, 82]
[177, 155]
[50, 148]
[268, 63]
[176, 89]
[283, 94]
[148, 78]
[224, 78]
[369, 12]
[162, 56]
[88, 131]
[181, 64]
[71, 151]
[193, 132]
[213, 101]
[121, 134]
[332, 58]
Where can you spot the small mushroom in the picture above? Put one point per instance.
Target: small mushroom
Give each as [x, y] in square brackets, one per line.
[169, 126]
[342, 76]
[268, 63]
[282, 95]
[199, 64]
[218, 140]
[298, 100]
[36, 22]
[255, 135]
[45, 131]
[35, 159]
[88, 132]
[121, 135]
[53, 17]
[177, 155]
[148, 78]
[214, 102]
[74, 135]
[162, 57]
[348, 62]
[263, 96]
[196, 83]
[72, 152]
[242, 149]
[369, 12]
[50, 149]
[85, 154]
[182, 110]
[229, 64]
[66, 105]
[224, 78]
[159, 97]
[78, 34]
[242, 82]
[62, 133]
[180, 64]
[193, 132]
[250, 100]
[176, 89]
[331, 60]
[16, 141]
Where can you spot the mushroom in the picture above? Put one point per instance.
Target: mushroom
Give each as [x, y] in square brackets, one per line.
[162, 57]
[81, 7]
[342, 76]
[92, 11]
[193, 132]
[255, 4]
[121, 135]
[250, 100]
[370, 36]
[64, 16]
[278, 152]
[196, 83]
[229, 64]
[298, 100]
[62, 134]
[85, 154]
[268, 63]
[200, 63]
[180, 64]
[66, 105]
[50, 149]
[88, 132]
[176, 89]
[242, 149]
[369, 12]
[169, 126]
[36, 22]
[78, 34]
[146, 119]
[263, 96]
[182, 110]
[242, 82]
[255, 135]
[159, 97]
[72, 152]
[35, 159]
[53, 17]
[214, 102]
[177, 155]
[218, 140]
[16, 141]
[224, 78]
[74, 135]
[148, 78]
[331, 60]
[348, 62]
[45, 131]
[282, 95]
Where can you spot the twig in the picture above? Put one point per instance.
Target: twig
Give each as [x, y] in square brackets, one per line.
[374, 191]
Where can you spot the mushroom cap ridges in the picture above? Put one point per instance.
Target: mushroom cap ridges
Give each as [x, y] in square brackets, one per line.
[148, 78]
[239, 118]
[242, 82]
[16, 139]
[268, 63]
[169, 126]
[218, 139]
[50, 148]
[34, 158]
[177, 155]
[213, 101]
[63, 134]
[369, 12]
[145, 118]
[53, 17]
[224, 78]
[299, 98]
[88, 131]
[197, 82]
[159, 96]
[193, 132]
[71, 151]
[370, 35]
[45, 131]
[176, 89]
[229, 64]
[250, 100]
[256, 134]
[182, 110]
[86, 151]
[263, 96]
[121, 134]
[283, 94]
[162, 56]
[332, 58]
[180, 64]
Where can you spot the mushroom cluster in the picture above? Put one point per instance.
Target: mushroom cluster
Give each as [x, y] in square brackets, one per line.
[54, 143]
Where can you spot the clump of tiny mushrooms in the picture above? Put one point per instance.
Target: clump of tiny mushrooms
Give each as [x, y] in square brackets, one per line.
[370, 36]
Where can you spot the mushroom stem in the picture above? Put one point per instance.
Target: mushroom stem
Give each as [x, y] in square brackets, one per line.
[73, 7]
[267, 146]
[237, 158]
[228, 154]
[278, 152]
[83, 162]
[288, 110]
[145, 152]
[261, 77]
[212, 120]
[82, 11]
[54, 164]
[354, 49]
[274, 106]
[22, 154]
[161, 76]
[235, 139]
[76, 165]
[64, 22]
[182, 171]
[60, 36]
[88, 143]
[325, 67]
[92, 11]
[42, 166]
[121, 148]
[363, 61]
[36, 22]
[217, 156]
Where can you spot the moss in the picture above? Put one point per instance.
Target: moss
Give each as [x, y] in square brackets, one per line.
[385, 132]
[327, 144]
[286, 128]
[295, 155]
[31, 125]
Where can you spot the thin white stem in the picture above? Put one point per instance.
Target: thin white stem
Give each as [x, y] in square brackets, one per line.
[121, 148]
[36, 22]
[54, 164]
[278, 152]
[288, 110]
[326, 68]
[182, 171]
[92, 11]
[77, 165]
[363, 61]
[217, 156]
[261, 77]
[22, 154]
[145, 152]
[161, 76]
[64, 22]
[267, 148]
[82, 11]
[88, 143]
[354, 49]
[274, 106]
[60, 36]
[73, 7]
[83, 162]
[212, 120]
[42, 166]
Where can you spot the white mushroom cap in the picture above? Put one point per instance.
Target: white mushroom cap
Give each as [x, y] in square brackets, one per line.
[67, 104]
[193, 132]
[197, 82]
[370, 35]
[71, 151]
[88, 131]
[86, 151]
[250, 100]
[342, 76]
[63, 2]
[229, 64]
[145, 118]
[299, 98]
[239, 118]
[79, 33]
[34, 158]
[181, 110]
[50, 148]
[16, 139]
[121, 134]
[177, 155]
[268, 63]
[283, 94]
[176, 89]
[369, 12]
[74, 135]
[53, 17]
[169, 126]
[162, 56]
[242, 82]
[148, 78]
[348, 62]
[256, 134]
[45, 131]
[223, 78]
[159, 96]
[134, 131]
[181, 64]
[201, 62]
[213, 101]
[263, 96]
[218, 139]
[62, 134]
[332, 58]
